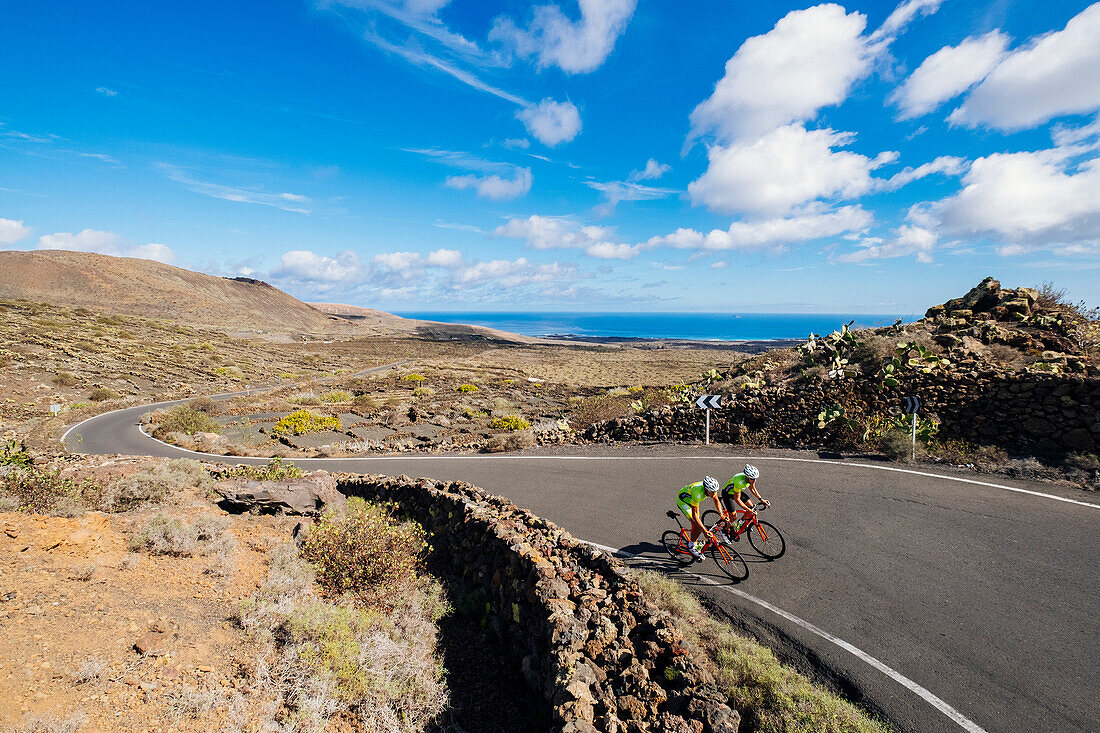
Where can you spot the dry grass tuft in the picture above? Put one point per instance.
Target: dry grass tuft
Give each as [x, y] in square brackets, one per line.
[771, 697]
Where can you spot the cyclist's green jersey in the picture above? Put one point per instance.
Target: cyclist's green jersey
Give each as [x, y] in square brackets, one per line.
[740, 482]
[692, 494]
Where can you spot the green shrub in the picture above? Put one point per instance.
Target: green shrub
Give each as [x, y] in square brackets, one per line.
[275, 470]
[467, 388]
[336, 395]
[365, 402]
[423, 392]
[44, 491]
[304, 421]
[183, 419]
[509, 422]
[414, 377]
[13, 453]
[367, 553]
[103, 394]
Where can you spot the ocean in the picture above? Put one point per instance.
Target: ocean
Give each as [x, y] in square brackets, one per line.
[693, 326]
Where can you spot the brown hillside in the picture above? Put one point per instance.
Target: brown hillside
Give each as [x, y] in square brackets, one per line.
[154, 290]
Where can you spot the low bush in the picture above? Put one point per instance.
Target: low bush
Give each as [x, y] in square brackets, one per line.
[45, 491]
[13, 453]
[163, 535]
[103, 394]
[365, 402]
[305, 398]
[512, 441]
[509, 422]
[66, 379]
[414, 377]
[304, 421]
[328, 659]
[183, 419]
[275, 470]
[423, 392]
[336, 395]
[367, 553]
[152, 484]
[205, 405]
[467, 388]
[771, 697]
[590, 410]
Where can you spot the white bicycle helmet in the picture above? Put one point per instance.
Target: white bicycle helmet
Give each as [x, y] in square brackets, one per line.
[752, 472]
[711, 485]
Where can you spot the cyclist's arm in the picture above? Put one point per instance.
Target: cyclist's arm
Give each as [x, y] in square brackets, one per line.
[752, 487]
[718, 505]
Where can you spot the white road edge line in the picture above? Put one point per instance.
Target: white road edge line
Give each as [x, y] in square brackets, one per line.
[936, 702]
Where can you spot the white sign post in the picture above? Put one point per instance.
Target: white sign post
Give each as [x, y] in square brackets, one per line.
[709, 402]
[55, 409]
[912, 406]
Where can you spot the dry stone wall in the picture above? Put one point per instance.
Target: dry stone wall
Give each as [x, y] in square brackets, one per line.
[1023, 413]
[601, 657]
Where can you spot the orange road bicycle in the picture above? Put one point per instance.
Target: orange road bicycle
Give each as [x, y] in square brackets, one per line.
[726, 558]
[763, 536]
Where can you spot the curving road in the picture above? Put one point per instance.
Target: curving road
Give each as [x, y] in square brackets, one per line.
[940, 601]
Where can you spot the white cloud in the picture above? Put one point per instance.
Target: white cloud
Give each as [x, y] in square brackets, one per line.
[509, 273]
[106, 92]
[405, 265]
[616, 191]
[573, 46]
[521, 143]
[1055, 74]
[612, 251]
[305, 266]
[495, 187]
[1031, 199]
[652, 170]
[809, 60]
[948, 73]
[719, 265]
[783, 171]
[12, 231]
[547, 232]
[901, 16]
[945, 164]
[909, 240]
[86, 240]
[550, 122]
[107, 243]
[153, 251]
[445, 258]
[769, 233]
[286, 201]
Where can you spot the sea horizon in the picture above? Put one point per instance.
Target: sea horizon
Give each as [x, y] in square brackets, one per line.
[665, 325]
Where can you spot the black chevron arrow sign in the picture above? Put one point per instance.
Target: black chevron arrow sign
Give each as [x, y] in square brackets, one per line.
[709, 401]
[912, 405]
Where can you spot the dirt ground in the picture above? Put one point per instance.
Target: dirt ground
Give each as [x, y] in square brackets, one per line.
[76, 604]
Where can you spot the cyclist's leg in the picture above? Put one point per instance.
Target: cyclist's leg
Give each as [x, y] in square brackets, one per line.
[685, 508]
[745, 500]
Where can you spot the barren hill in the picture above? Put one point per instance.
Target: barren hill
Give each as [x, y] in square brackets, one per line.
[154, 290]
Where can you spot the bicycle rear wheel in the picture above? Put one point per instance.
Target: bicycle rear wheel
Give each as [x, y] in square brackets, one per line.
[734, 568]
[769, 542]
[674, 547]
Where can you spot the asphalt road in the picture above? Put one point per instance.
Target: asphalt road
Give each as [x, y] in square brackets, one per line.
[940, 603]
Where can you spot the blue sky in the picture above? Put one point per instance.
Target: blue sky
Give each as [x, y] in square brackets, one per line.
[604, 155]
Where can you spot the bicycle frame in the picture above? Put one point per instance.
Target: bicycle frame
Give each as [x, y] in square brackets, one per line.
[750, 516]
[685, 540]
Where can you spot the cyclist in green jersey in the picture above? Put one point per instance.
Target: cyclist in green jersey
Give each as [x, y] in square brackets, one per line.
[688, 500]
[736, 494]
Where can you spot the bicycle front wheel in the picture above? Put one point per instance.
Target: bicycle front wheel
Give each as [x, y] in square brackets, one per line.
[767, 540]
[674, 547]
[730, 563]
[710, 518]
